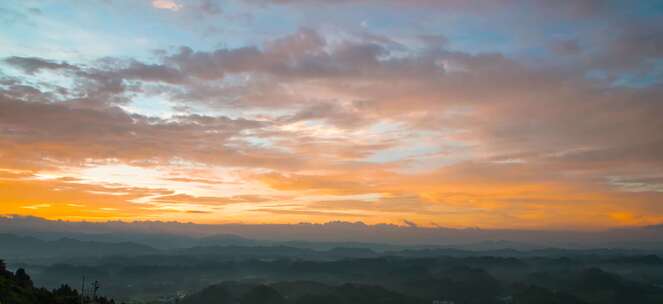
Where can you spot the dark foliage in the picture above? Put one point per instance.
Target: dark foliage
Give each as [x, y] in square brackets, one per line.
[18, 288]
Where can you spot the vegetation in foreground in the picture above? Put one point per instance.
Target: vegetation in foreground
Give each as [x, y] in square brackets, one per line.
[18, 288]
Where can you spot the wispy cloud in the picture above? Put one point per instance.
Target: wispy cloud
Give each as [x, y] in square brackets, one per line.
[166, 5]
[37, 206]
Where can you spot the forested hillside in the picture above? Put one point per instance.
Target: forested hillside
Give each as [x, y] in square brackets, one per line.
[18, 288]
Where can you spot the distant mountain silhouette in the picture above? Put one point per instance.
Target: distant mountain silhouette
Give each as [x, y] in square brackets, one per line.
[349, 252]
[226, 240]
[14, 246]
[249, 251]
[24, 248]
[381, 237]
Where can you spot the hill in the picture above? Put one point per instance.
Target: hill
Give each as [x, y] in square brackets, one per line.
[18, 288]
[19, 247]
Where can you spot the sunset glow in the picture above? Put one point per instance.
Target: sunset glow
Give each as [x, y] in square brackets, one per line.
[504, 114]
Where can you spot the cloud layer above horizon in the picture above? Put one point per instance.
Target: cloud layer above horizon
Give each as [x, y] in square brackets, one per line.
[496, 114]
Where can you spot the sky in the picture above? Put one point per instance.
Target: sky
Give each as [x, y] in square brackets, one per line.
[504, 114]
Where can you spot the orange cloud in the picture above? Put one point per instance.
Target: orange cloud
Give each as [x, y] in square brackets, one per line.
[309, 127]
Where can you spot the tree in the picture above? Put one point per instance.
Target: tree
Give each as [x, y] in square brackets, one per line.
[4, 273]
[540, 295]
[23, 279]
[66, 294]
[262, 295]
[18, 289]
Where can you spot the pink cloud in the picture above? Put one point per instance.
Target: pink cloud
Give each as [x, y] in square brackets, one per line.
[166, 4]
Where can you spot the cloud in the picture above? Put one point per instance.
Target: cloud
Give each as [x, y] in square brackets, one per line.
[32, 65]
[38, 206]
[301, 54]
[166, 5]
[565, 47]
[348, 123]
[71, 198]
[210, 7]
[410, 224]
[582, 8]
[52, 129]
[210, 201]
[198, 212]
